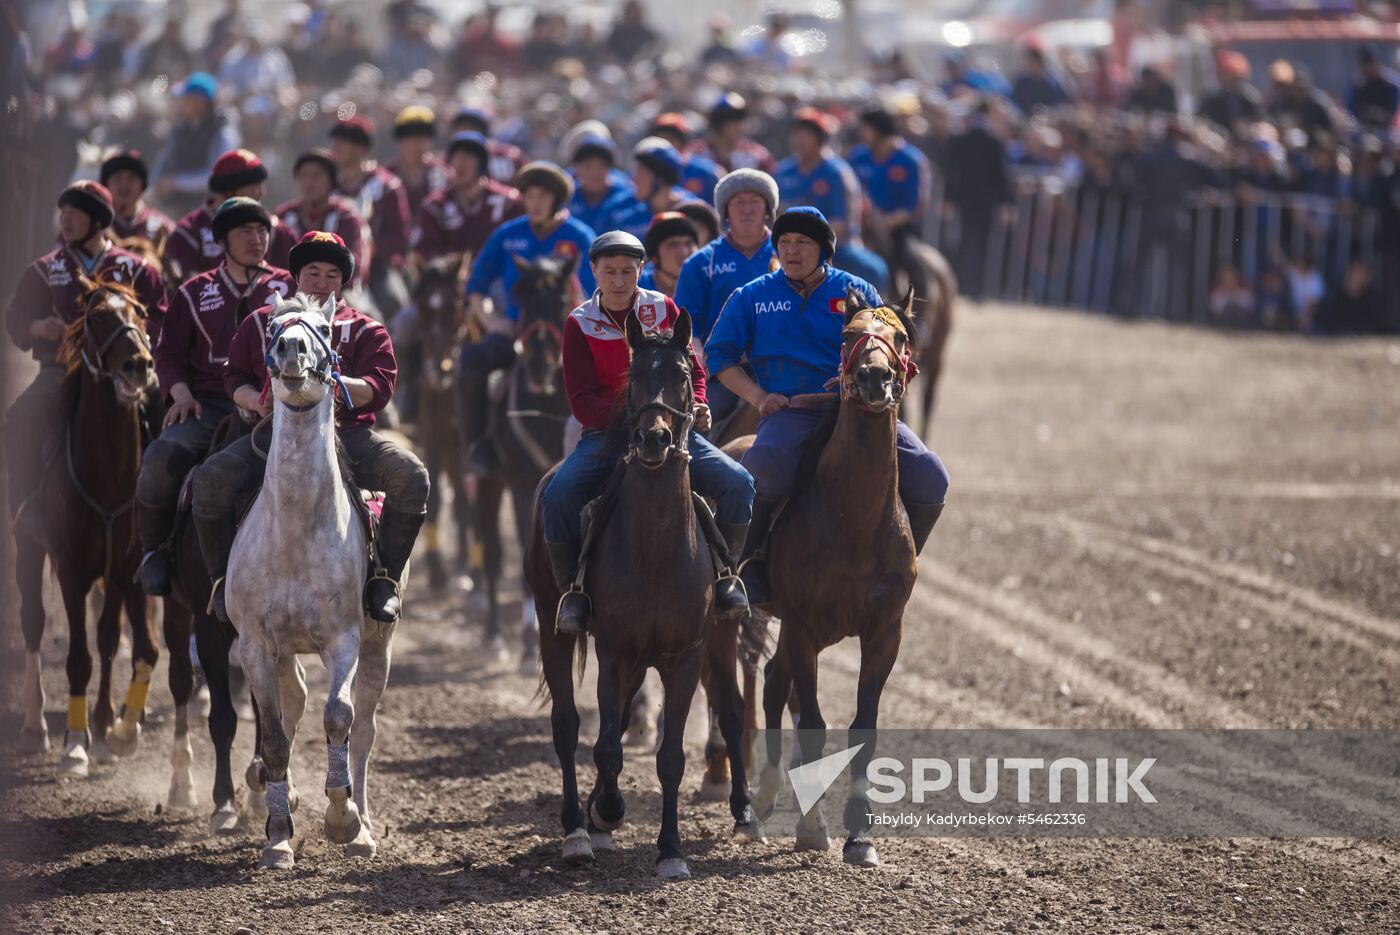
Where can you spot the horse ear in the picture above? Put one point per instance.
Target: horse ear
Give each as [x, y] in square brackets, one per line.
[635, 336]
[905, 312]
[682, 331]
[520, 264]
[854, 303]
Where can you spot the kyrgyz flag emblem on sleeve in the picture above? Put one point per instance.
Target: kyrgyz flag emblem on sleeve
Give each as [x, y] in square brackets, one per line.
[837, 306]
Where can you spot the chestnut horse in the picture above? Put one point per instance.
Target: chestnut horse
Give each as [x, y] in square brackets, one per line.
[86, 498]
[842, 559]
[650, 573]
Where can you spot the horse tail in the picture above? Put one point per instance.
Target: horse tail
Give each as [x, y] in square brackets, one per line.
[580, 654]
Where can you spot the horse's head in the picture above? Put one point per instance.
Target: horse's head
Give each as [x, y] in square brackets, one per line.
[877, 359]
[660, 395]
[543, 293]
[437, 294]
[299, 356]
[109, 339]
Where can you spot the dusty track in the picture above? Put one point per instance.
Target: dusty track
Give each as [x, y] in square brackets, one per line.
[1150, 526]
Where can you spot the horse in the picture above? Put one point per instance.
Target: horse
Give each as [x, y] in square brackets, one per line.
[527, 427]
[842, 560]
[441, 327]
[86, 499]
[295, 580]
[650, 573]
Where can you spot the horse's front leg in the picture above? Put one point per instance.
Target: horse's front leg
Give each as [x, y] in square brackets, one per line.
[606, 807]
[777, 684]
[727, 710]
[262, 666]
[178, 621]
[879, 647]
[557, 658]
[109, 635]
[77, 738]
[679, 686]
[376, 650]
[811, 733]
[342, 814]
[29, 577]
[213, 639]
[126, 733]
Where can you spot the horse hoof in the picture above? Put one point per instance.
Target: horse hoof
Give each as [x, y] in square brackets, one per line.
[711, 791]
[752, 830]
[181, 797]
[598, 821]
[672, 868]
[255, 808]
[602, 841]
[101, 753]
[202, 704]
[124, 738]
[33, 741]
[74, 763]
[279, 856]
[578, 847]
[342, 822]
[861, 854]
[812, 841]
[364, 845]
[224, 822]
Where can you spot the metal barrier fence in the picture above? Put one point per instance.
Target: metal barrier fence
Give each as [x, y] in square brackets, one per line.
[1101, 248]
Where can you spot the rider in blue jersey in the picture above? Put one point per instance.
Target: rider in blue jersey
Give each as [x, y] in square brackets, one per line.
[699, 173]
[656, 174]
[815, 176]
[896, 178]
[592, 161]
[788, 325]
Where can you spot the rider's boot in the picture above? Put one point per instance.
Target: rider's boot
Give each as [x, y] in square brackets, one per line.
[384, 592]
[155, 523]
[476, 440]
[574, 606]
[753, 566]
[922, 518]
[216, 534]
[731, 601]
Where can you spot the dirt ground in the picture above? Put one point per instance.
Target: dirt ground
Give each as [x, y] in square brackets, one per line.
[1149, 526]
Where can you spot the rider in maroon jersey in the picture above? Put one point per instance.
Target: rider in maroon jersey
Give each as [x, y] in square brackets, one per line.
[126, 176]
[421, 171]
[380, 198]
[460, 218]
[318, 208]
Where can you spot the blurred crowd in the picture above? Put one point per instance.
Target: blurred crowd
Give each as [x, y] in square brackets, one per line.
[1089, 179]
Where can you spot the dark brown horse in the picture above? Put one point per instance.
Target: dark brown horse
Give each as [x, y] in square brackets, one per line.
[527, 428]
[842, 559]
[85, 501]
[650, 573]
[442, 327]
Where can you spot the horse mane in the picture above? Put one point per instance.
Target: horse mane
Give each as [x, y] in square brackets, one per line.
[70, 346]
[615, 436]
[145, 249]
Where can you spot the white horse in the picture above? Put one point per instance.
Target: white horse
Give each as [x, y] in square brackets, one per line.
[294, 585]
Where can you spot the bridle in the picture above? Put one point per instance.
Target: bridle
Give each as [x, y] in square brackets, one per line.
[515, 415]
[852, 356]
[94, 355]
[327, 373]
[679, 440]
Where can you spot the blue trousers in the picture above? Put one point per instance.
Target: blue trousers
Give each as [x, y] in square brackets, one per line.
[712, 473]
[493, 352]
[860, 260]
[773, 459]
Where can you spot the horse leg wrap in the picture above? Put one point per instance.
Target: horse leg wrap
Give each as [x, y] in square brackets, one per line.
[77, 713]
[430, 537]
[337, 765]
[136, 691]
[277, 801]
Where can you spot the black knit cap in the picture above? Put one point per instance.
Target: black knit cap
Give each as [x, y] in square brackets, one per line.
[321, 247]
[129, 161]
[91, 198]
[705, 219]
[235, 212]
[321, 158]
[666, 225]
[548, 176]
[809, 222]
[469, 141]
[880, 120]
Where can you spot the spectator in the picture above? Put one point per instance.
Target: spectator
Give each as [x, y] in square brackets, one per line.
[545, 45]
[345, 48]
[963, 79]
[255, 66]
[1307, 288]
[200, 133]
[1102, 87]
[1037, 87]
[482, 48]
[222, 32]
[1168, 177]
[1356, 308]
[411, 47]
[1377, 96]
[1273, 302]
[1231, 300]
[1294, 102]
[631, 37]
[72, 53]
[166, 54]
[979, 186]
[721, 50]
[117, 48]
[1236, 101]
[767, 50]
[1153, 94]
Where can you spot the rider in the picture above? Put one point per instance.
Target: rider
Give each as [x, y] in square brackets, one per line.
[321, 263]
[748, 203]
[318, 208]
[593, 159]
[814, 175]
[670, 241]
[547, 229]
[700, 172]
[656, 175]
[506, 161]
[126, 176]
[788, 324]
[725, 142]
[191, 249]
[895, 175]
[194, 345]
[420, 171]
[380, 198]
[460, 218]
[46, 300]
[596, 360]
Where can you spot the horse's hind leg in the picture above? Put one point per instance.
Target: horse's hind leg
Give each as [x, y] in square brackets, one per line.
[177, 637]
[29, 576]
[878, 650]
[77, 737]
[488, 529]
[126, 733]
[213, 640]
[811, 736]
[777, 684]
[262, 668]
[727, 708]
[557, 658]
[606, 807]
[109, 635]
[714, 784]
[679, 685]
[370, 679]
[342, 813]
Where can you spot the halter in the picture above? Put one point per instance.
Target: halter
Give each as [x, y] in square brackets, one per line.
[851, 358]
[680, 441]
[554, 331]
[328, 373]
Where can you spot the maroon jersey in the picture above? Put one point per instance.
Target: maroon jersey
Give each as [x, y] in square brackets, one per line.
[746, 155]
[380, 198]
[191, 249]
[201, 321]
[505, 161]
[448, 224]
[340, 218]
[147, 223]
[51, 286]
[361, 342]
[435, 179]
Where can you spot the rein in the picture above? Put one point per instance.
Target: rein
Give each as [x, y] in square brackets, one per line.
[680, 441]
[329, 373]
[514, 413]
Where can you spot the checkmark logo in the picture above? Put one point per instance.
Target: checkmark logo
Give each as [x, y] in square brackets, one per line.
[811, 780]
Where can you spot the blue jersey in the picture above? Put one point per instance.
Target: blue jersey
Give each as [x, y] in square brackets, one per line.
[627, 212]
[647, 279]
[900, 183]
[710, 275]
[515, 239]
[699, 178]
[595, 213]
[794, 344]
[831, 188]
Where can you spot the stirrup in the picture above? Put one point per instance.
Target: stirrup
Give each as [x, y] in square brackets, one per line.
[214, 587]
[574, 588]
[380, 574]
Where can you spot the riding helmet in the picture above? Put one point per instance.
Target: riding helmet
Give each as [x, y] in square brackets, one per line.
[235, 212]
[91, 198]
[617, 243]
